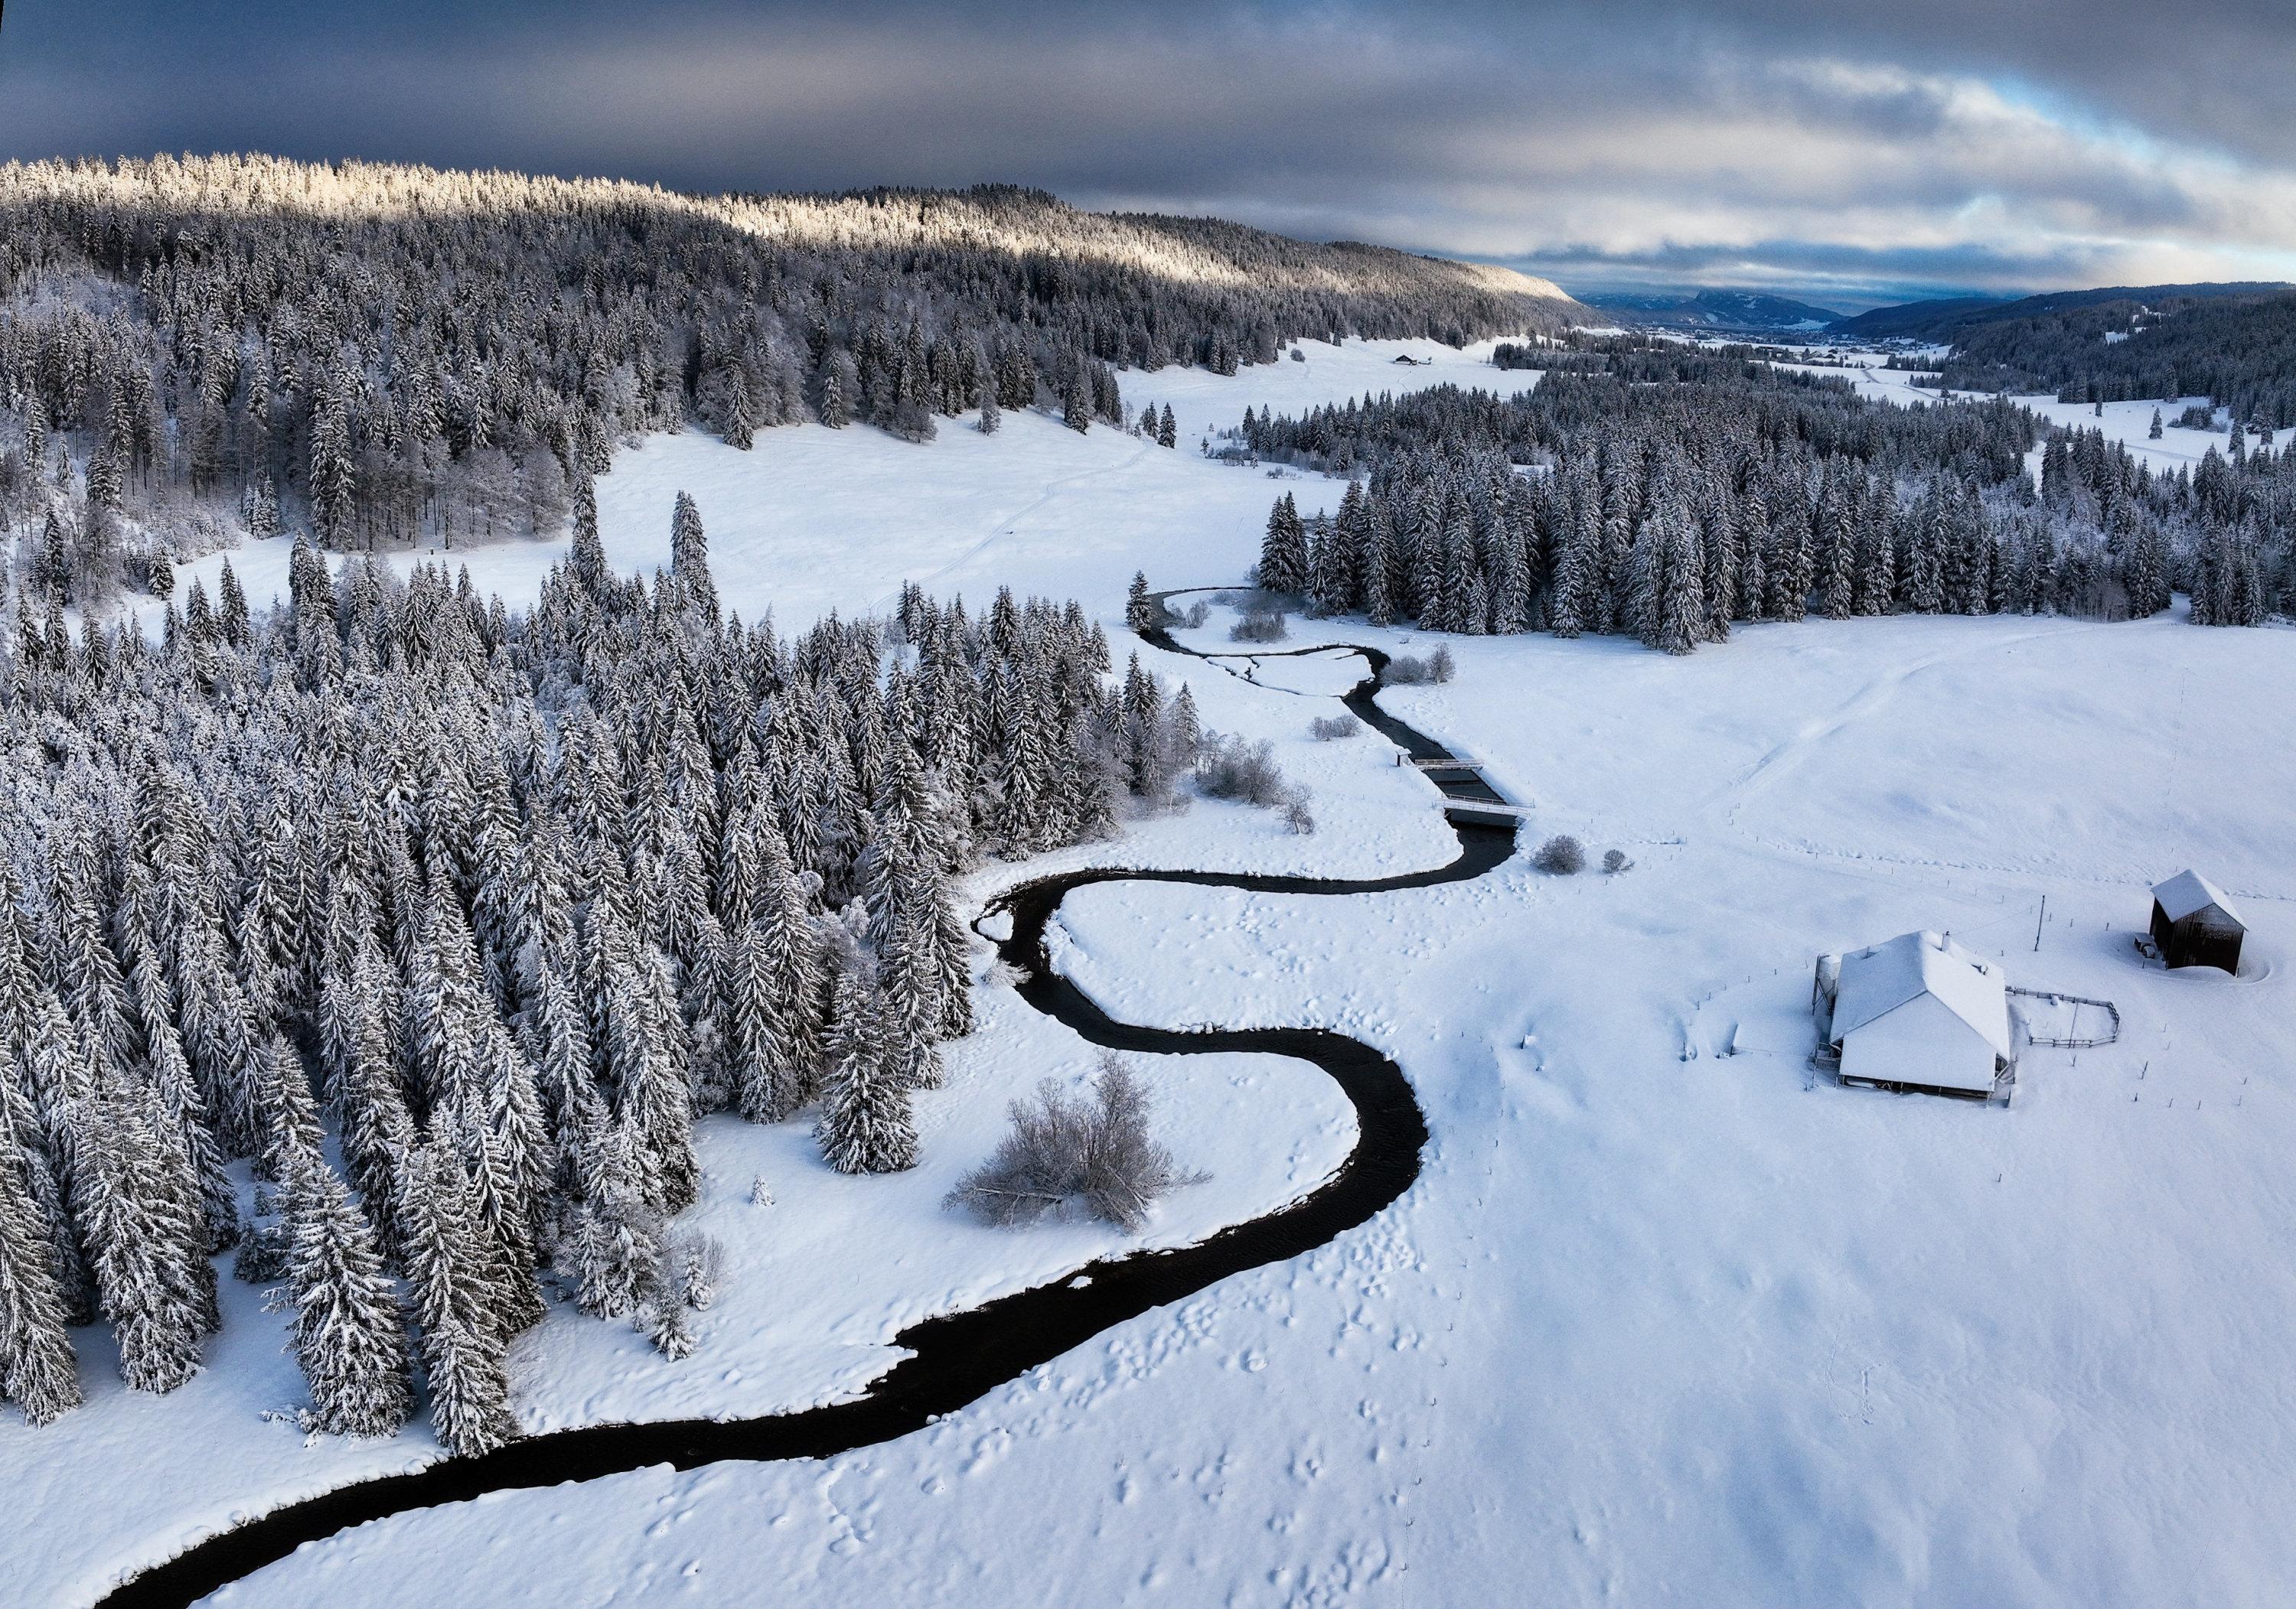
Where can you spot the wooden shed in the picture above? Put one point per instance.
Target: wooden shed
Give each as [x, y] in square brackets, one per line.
[2195, 925]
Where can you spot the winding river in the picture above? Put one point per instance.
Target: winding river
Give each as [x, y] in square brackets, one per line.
[958, 1358]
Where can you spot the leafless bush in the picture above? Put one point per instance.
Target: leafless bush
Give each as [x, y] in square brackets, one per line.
[1260, 626]
[1408, 670]
[1229, 768]
[1326, 729]
[1198, 613]
[1063, 1155]
[1561, 855]
[1297, 817]
[1615, 861]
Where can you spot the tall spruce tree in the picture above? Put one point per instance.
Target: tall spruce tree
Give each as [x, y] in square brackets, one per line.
[348, 1332]
[865, 1125]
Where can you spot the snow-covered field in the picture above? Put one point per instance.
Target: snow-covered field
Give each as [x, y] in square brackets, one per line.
[1666, 1320]
[1659, 1325]
[2129, 423]
[812, 519]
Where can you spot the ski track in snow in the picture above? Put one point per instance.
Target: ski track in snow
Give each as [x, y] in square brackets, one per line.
[1005, 525]
[1729, 802]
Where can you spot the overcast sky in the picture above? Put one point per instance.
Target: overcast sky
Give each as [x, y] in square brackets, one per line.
[1844, 149]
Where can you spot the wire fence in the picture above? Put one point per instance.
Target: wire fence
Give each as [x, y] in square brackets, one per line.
[2085, 1042]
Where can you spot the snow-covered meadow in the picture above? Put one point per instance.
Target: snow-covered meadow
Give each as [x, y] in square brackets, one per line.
[2128, 424]
[812, 519]
[1659, 1324]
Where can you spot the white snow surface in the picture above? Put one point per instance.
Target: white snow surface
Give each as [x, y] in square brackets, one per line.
[812, 519]
[820, 1281]
[1668, 1320]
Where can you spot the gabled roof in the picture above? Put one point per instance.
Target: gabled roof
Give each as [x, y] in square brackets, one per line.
[1877, 981]
[2188, 892]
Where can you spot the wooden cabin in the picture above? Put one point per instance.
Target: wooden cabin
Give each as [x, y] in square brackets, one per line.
[2195, 925]
[1918, 1013]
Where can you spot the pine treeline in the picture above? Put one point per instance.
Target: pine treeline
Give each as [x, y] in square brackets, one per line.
[1672, 495]
[390, 354]
[505, 901]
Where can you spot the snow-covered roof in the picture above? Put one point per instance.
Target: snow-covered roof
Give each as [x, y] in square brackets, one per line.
[2188, 892]
[1877, 981]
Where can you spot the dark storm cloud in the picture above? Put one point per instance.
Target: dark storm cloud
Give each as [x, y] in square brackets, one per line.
[1861, 148]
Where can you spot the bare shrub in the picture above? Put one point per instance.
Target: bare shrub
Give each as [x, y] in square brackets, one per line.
[1561, 855]
[1614, 860]
[1298, 818]
[1408, 670]
[1261, 623]
[1229, 768]
[1326, 729]
[1065, 1154]
[1198, 613]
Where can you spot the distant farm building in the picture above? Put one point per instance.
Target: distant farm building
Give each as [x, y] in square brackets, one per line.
[1917, 1012]
[2195, 925]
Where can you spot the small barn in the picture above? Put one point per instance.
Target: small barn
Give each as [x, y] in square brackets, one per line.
[1917, 1012]
[2195, 925]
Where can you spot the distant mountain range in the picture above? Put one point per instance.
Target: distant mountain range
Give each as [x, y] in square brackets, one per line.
[1722, 312]
[1756, 313]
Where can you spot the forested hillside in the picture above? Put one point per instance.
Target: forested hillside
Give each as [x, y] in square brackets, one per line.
[387, 354]
[2239, 351]
[1939, 318]
[1656, 491]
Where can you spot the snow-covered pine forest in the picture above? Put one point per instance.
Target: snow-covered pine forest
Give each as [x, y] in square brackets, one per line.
[1677, 492]
[453, 919]
[195, 348]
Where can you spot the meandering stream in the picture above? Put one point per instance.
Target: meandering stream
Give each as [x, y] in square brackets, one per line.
[958, 1358]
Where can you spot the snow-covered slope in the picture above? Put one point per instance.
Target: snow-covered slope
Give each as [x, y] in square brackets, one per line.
[1660, 1324]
